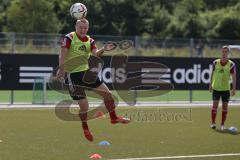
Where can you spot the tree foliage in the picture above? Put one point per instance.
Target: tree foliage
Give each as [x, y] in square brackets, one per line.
[159, 18]
[32, 16]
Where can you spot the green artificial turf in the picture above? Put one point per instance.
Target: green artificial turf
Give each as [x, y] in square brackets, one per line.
[53, 96]
[38, 134]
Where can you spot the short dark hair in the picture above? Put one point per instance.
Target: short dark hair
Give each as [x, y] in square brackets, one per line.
[226, 47]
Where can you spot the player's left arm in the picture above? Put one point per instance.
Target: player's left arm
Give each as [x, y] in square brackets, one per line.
[95, 51]
[109, 46]
[98, 52]
[233, 74]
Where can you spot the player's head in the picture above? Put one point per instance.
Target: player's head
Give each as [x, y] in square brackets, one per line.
[81, 27]
[225, 52]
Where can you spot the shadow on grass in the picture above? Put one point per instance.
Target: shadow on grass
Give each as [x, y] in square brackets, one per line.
[226, 131]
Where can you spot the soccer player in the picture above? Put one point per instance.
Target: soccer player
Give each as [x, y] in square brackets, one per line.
[220, 86]
[78, 43]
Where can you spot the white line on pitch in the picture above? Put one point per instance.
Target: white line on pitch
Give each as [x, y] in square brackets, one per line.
[180, 157]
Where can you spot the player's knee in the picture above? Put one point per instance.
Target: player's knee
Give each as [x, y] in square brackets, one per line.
[224, 108]
[215, 104]
[225, 104]
[83, 104]
[108, 97]
[83, 109]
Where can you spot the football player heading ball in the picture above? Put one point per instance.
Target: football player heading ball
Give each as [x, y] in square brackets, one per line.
[76, 44]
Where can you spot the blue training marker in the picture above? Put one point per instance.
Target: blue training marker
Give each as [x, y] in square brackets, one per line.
[104, 143]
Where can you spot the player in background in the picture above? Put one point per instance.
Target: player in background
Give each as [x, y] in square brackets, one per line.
[220, 85]
[79, 43]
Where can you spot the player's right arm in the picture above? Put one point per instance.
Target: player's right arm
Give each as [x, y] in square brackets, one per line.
[62, 56]
[65, 45]
[210, 84]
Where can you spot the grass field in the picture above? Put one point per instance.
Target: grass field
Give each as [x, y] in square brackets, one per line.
[154, 132]
[53, 96]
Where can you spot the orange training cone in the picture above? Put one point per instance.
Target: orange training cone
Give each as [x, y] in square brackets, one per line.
[99, 114]
[96, 156]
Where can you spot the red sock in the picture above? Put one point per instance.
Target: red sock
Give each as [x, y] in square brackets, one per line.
[224, 116]
[85, 125]
[111, 108]
[83, 117]
[214, 114]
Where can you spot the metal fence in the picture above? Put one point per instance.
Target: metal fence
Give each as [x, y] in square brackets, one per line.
[42, 43]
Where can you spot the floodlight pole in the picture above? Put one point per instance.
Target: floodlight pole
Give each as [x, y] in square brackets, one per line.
[12, 52]
[136, 44]
[44, 90]
[191, 55]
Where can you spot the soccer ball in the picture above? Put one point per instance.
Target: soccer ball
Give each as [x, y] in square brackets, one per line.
[78, 11]
[233, 129]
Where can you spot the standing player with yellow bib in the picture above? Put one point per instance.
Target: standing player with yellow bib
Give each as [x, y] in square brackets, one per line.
[73, 60]
[220, 85]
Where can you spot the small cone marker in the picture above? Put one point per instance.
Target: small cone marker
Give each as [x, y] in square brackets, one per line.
[104, 143]
[99, 114]
[96, 156]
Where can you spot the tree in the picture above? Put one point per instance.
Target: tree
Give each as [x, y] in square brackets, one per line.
[186, 21]
[157, 22]
[229, 27]
[3, 8]
[158, 18]
[32, 16]
[223, 23]
[218, 4]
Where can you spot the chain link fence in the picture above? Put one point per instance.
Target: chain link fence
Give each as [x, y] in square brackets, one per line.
[42, 43]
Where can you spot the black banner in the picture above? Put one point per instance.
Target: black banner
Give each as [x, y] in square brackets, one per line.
[18, 72]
